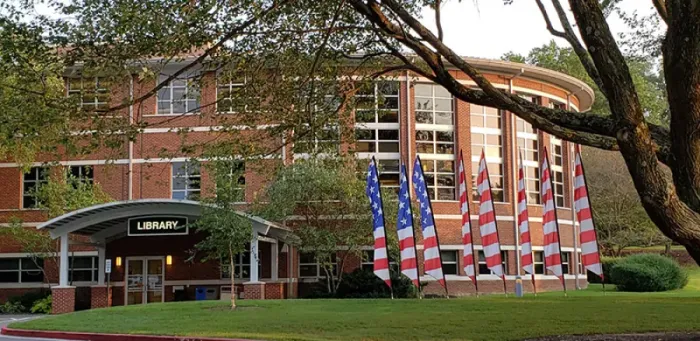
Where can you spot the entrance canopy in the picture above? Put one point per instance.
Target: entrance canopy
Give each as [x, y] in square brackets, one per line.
[117, 219]
[111, 219]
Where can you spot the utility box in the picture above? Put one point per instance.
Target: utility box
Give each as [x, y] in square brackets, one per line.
[225, 293]
[211, 293]
[200, 293]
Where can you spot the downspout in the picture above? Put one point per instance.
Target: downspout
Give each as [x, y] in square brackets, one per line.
[514, 153]
[408, 128]
[130, 191]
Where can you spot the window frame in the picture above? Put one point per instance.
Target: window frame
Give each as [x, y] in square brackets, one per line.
[432, 171]
[41, 178]
[241, 267]
[95, 86]
[317, 264]
[94, 269]
[20, 270]
[188, 79]
[485, 131]
[454, 263]
[85, 173]
[187, 176]
[504, 262]
[529, 163]
[376, 125]
[558, 170]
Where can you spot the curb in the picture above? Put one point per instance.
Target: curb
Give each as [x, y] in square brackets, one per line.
[104, 337]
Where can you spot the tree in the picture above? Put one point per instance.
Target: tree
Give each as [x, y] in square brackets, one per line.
[307, 42]
[329, 209]
[621, 221]
[62, 193]
[227, 231]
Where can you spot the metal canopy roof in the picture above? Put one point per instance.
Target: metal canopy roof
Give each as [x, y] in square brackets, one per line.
[105, 220]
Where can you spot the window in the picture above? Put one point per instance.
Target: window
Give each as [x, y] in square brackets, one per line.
[237, 178]
[83, 269]
[484, 269]
[179, 96]
[30, 184]
[565, 262]
[528, 147]
[81, 173]
[242, 266]
[487, 136]
[233, 94]
[434, 120]
[539, 262]
[389, 174]
[377, 118]
[440, 179]
[310, 268]
[368, 262]
[93, 93]
[558, 171]
[325, 140]
[186, 181]
[21, 270]
[449, 262]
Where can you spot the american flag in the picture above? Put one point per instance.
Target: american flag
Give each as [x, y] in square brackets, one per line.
[468, 259]
[381, 260]
[432, 264]
[487, 221]
[404, 226]
[590, 256]
[523, 223]
[550, 226]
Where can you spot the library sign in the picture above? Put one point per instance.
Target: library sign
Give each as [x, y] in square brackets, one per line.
[158, 226]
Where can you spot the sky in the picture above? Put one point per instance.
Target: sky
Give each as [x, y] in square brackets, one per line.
[488, 29]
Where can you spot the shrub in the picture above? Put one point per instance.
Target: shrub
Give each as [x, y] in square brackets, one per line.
[42, 306]
[365, 284]
[12, 308]
[608, 263]
[648, 272]
[27, 300]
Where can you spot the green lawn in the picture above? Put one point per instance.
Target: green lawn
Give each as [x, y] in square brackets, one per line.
[485, 318]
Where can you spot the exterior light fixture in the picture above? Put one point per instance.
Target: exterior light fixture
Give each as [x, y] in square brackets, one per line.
[169, 260]
[119, 261]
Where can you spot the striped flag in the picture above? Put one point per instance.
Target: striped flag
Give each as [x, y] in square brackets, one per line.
[432, 263]
[526, 259]
[550, 226]
[590, 256]
[404, 226]
[487, 221]
[468, 259]
[381, 260]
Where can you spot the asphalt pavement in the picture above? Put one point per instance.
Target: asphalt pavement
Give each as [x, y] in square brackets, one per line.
[7, 319]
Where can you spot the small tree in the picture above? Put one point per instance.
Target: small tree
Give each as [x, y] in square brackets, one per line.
[61, 194]
[327, 198]
[227, 232]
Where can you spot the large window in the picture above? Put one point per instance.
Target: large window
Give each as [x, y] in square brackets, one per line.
[309, 267]
[557, 161]
[320, 140]
[93, 93]
[440, 179]
[368, 262]
[83, 269]
[186, 181]
[179, 96]
[528, 147]
[31, 182]
[487, 136]
[242, 266]
[21, 270]
[450, 263]
[539, 262]
[233, 94]
[483, 267]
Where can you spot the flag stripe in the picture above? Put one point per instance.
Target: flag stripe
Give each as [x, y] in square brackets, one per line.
[590, 256]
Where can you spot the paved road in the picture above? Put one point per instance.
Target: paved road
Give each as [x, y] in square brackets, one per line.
[7, 319]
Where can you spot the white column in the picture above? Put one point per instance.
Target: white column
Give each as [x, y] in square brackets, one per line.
[101, 265]
[63, 262]
[254, 257]
[275, 261]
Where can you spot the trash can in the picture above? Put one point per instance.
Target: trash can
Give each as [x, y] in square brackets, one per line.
[200, 293]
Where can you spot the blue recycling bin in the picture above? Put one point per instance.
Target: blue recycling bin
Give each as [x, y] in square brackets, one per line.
[200, 293]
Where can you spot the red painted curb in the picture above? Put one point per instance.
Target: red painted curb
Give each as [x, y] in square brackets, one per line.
[104, 337]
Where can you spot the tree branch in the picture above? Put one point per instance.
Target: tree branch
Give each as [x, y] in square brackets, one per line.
[660, 6]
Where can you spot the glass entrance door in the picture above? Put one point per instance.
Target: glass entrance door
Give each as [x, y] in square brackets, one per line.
[144, 280]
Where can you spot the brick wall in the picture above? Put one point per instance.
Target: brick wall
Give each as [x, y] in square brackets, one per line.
[62, 300]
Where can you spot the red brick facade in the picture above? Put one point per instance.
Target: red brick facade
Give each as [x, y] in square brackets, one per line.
[152, 178]
[63, 300]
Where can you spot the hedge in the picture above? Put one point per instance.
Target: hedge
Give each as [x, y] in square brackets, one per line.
[648, 272]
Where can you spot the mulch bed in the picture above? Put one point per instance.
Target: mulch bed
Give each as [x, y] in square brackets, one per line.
[624, 337]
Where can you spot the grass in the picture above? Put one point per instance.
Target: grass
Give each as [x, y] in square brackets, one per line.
[485, 318]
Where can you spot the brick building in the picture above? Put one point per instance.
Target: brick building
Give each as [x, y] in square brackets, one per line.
[418, 118]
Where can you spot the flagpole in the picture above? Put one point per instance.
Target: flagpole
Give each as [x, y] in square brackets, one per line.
[437, 239]
[495, 222]
[590, 207]
[556, 218]
[474, 262]
[413, 230]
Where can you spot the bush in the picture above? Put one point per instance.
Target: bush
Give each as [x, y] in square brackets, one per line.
[648, 272]
[42, 306]
[27, 300]
[365, 284]
[12, 308]
[608, 263]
